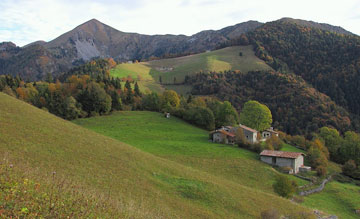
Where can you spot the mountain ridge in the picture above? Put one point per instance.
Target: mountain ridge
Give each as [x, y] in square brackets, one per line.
[94, 39]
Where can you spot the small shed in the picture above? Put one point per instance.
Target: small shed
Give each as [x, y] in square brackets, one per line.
[294, 160]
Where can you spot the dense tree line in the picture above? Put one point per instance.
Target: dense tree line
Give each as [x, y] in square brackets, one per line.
[296, 107]
[85, 96]
[329, 61]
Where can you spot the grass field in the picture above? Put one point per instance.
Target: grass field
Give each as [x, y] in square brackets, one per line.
[176, 140]
[149, 73]
[181, 142]
[138, 72]
[132, 183]
[218, 60]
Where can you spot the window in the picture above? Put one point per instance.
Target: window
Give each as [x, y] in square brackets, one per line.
[273, 160]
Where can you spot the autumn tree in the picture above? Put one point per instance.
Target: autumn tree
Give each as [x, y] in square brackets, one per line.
[317, 156]
[256, 115]
[170, 98]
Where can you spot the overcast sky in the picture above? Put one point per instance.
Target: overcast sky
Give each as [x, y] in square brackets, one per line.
[25, 21]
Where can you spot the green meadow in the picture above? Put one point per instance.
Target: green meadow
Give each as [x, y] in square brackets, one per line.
[176, 140]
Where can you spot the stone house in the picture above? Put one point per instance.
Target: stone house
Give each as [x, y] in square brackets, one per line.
[294, 160]
[268, 133]
[250, 134]
[222, 136]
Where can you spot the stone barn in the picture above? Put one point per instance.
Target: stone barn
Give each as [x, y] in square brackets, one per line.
[294, 160]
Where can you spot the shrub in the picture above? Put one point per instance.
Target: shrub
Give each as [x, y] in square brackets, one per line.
[270, 214]
[284, 187]
[321, 170]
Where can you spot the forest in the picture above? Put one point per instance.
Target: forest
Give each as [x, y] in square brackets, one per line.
[330, 62]
[297, 108]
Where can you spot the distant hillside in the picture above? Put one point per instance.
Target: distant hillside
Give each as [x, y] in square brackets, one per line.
[136, 184]
[297, 108]
[174, 70]
[328, 61]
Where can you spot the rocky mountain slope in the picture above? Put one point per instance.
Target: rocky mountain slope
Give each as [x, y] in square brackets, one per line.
[94, 39]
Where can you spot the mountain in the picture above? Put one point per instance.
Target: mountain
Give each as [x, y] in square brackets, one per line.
[94, 39]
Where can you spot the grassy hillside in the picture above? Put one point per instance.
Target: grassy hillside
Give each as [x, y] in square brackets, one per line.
[178, 68]
[176, 140]
[133, 183]
[140, 72]
[179, 141]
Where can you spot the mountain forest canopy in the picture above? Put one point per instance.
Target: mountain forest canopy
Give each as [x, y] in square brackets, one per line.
[328, 61]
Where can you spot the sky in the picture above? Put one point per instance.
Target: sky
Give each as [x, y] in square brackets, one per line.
[26, 21]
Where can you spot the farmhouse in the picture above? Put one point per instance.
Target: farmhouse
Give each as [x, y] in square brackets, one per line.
[294, 160]
[249, 134]
[222, 136]
[268, 133]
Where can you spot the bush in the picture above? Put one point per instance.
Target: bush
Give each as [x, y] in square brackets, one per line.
[270, 214]
[321, 170]
[284, 187]
[351, 169]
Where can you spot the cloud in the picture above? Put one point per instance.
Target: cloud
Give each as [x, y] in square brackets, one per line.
[25, 21]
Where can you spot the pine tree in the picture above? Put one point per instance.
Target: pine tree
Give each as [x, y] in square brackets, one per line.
[137, 90]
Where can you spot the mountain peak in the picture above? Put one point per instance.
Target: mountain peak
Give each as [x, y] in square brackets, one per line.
[312, 24]
[91, 23]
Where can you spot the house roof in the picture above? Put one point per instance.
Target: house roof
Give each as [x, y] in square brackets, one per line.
[223, 132]
[227, 133]
[272, 131]
[284, 154]
[247, 128]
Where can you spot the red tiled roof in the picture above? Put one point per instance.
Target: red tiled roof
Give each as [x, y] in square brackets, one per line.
[247, 128]
[284, 154]
[227, 133]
